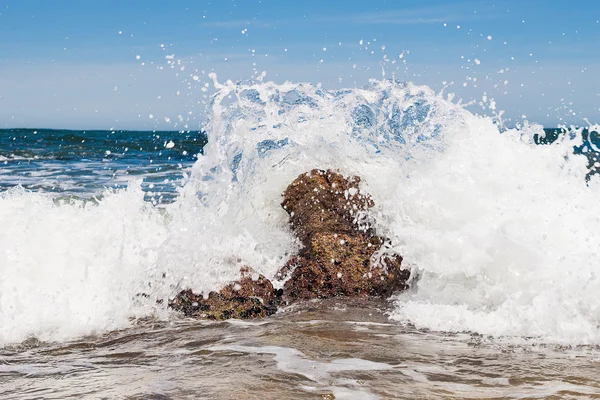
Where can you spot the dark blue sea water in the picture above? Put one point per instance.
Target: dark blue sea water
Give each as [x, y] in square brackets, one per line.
[84, 164]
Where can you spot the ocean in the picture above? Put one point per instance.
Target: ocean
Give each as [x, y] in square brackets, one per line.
[84, 164]
[499, 225]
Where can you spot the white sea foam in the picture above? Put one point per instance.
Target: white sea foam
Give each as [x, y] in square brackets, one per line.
[503, 232]
[506, 235]
[74, 269]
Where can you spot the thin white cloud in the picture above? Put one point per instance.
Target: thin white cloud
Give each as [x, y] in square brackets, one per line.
[424, 15]
[238, 23]
[461, 12]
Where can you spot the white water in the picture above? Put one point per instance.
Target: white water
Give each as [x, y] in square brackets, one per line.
[71, 270]
[505, 233]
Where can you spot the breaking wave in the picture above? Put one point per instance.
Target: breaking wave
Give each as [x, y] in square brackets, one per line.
[504, 233]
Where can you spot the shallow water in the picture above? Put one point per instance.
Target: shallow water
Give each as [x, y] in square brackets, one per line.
[336, 349]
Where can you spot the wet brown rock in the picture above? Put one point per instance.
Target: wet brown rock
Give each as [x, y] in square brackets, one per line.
[244, 299]
[325, 201]
[342, 256]
[343, 265]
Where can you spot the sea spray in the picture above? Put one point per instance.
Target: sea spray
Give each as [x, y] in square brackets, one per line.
[504, 232]
[74, 269]
[261, 137]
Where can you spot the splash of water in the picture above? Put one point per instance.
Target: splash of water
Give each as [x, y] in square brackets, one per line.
[503, 232]
[74, 269]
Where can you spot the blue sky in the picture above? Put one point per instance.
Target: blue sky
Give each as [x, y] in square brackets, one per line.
[118, 64]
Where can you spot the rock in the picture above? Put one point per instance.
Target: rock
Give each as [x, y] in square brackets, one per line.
[246, 298]
[342, 256]
[325, 201]
[343, 265]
